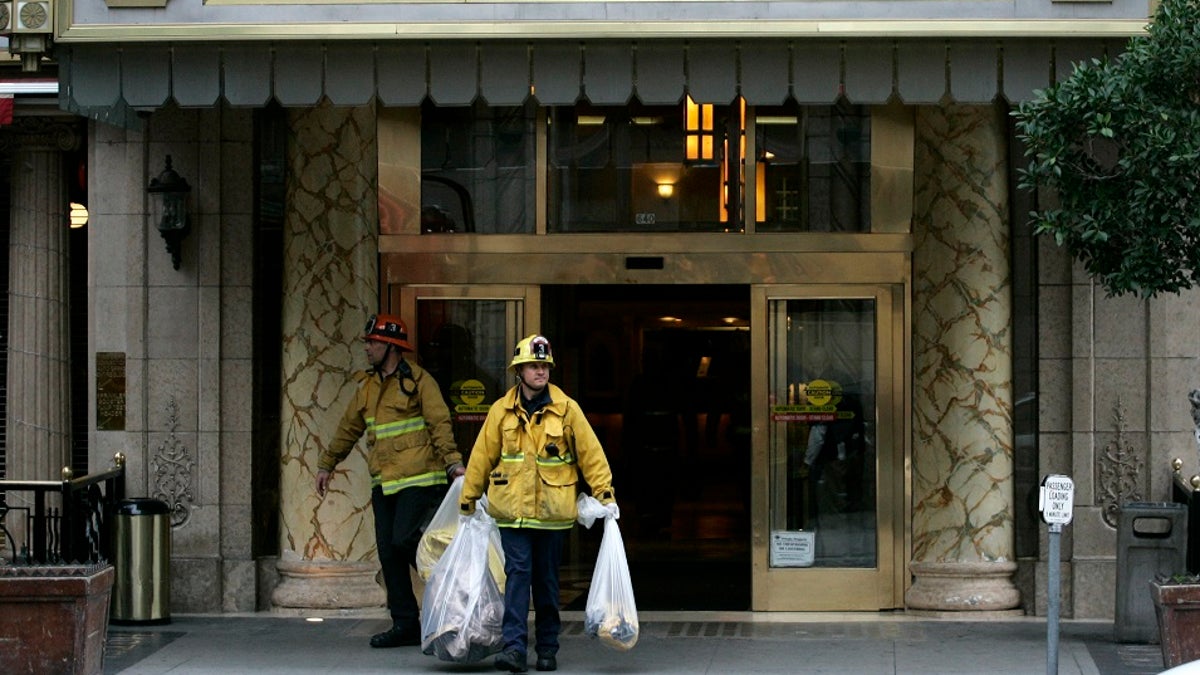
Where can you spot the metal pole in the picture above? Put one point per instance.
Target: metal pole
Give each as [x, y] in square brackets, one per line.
[1053, 600]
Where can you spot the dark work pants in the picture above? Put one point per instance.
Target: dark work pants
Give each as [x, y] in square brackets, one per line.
[531, 561]
[400, 519]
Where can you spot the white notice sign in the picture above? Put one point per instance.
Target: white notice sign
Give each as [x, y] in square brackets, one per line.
[1056, 500]
[792, 549]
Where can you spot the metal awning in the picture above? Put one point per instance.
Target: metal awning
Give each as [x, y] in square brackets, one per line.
[98, 77]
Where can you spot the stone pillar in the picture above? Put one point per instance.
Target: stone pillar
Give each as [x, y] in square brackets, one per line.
[39, 382]
[962, 469]
[328, 559]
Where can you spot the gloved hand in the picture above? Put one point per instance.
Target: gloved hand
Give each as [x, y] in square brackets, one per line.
[614, 511]
[466, 508]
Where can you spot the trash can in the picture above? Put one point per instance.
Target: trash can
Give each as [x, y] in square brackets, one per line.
[142, 560]
[1151, 540]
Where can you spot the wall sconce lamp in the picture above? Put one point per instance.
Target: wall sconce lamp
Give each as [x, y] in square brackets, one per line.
[168, 203]
[666, 190]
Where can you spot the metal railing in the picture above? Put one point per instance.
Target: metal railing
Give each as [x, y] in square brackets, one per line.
[76, 531]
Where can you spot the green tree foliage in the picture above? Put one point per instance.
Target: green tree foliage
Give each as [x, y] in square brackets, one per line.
[1119, 143]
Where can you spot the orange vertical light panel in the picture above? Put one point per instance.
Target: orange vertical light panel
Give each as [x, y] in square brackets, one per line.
[760, 193]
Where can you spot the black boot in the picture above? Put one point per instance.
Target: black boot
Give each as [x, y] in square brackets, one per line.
[396, 636]
[547, 662]
[511, 660]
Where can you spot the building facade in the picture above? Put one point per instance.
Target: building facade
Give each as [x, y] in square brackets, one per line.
[778, 247]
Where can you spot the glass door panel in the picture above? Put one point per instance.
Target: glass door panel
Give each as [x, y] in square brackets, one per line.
[822, 424]
[464, 337]
[832, 452]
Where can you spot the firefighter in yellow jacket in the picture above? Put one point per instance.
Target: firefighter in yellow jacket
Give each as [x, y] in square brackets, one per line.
[528, 456]
[411, 456]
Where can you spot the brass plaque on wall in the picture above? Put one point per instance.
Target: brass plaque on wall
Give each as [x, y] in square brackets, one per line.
[110, 391]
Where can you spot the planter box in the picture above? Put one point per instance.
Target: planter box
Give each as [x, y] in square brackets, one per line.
[1177, 608]
[54, 619]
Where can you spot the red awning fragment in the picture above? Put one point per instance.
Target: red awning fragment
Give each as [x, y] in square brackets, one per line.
[6, 109]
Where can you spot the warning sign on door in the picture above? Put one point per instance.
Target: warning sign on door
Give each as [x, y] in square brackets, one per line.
[792, 549]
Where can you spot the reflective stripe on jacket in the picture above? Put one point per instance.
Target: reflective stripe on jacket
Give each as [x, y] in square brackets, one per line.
[409, 439]
[530, 465]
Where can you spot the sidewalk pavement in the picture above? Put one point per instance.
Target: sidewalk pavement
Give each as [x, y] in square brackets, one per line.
[725, 643]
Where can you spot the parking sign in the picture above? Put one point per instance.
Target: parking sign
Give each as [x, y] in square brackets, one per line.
[1056, 500]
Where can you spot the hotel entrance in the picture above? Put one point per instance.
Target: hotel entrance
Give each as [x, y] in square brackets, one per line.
[755, 432]
[725, 288]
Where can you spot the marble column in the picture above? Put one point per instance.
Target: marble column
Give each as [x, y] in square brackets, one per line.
[39, 373]
[327, 559]
[962, 469]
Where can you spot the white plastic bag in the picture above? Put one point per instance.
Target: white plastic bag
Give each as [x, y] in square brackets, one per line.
[463, 607]
[610, 613]
[440, 532]
[588, 510]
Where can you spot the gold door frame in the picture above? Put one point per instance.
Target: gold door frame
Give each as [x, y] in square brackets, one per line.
[843, 589]
[405, 297]
[843, 276]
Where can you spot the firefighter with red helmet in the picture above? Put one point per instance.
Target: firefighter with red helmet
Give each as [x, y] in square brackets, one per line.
[411, 456]
[534, 445]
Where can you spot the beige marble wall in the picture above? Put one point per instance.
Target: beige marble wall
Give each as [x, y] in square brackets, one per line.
[185, 336]
[962, 364]
[118, 274]
[1114, 376]
[1173, 324]
[328, 558]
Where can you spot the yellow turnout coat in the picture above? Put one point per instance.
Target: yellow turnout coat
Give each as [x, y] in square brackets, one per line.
[530, 465]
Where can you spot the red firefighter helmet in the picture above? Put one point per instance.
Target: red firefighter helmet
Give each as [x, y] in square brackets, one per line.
[388, 328]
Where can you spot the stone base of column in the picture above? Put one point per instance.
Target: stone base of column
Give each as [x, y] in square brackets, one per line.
[328, 588]
[963, 587]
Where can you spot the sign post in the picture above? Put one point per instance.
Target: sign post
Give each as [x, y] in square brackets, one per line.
[1056, 501]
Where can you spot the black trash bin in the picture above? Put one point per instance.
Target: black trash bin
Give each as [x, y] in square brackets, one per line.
[1151, 540]
[142, 561]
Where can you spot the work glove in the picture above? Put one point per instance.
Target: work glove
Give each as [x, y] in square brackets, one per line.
[614, 511]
